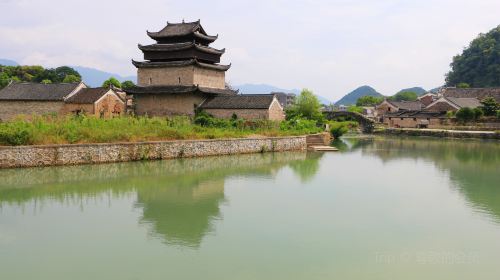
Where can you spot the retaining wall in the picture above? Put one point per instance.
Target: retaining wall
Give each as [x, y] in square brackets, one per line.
[441, 133]
[47, 155]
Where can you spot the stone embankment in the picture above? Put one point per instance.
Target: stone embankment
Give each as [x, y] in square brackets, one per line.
[47, 155]
[440, 133]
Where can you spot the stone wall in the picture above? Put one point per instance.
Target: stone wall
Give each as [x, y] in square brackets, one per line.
[209, 78]
[29, 156]
[184, 75]
[167, 105]
[165, 76]
[441, 133]
[11, 109]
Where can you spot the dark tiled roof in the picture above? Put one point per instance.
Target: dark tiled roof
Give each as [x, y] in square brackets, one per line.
[180, 46]
[148, 64]
[243, 101]
[182, 29]
[87, 95]
[407, 105]
[479, 93]
[37, 92]
[178, 90]
[416, 114]
[464, 102]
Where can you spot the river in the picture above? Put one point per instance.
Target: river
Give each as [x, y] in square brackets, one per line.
[381, 208]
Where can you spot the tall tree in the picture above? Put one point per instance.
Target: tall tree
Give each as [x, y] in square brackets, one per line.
[306, 105]
[112, 82]
[479, 63]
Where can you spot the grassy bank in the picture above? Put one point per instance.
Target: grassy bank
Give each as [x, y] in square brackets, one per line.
[81, 129]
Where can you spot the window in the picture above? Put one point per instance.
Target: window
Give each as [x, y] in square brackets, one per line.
[179, 80]
[150, 81]
[401, 118]
[388, 109]
[415, 119]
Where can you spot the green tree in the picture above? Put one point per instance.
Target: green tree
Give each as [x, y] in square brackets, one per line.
[127, 84]
[490, 106]
[463, 85]
[369, 101]
[479, 63]
[46, 81]
[64, 71]
[465, 115]
[478, 113]
[71, 79]
[355, 109]
[307, 106]
[4, 79]
[112, 82]
[404, 96]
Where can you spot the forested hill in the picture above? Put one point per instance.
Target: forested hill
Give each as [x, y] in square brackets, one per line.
[418, 90]
[352, 97]
[479, 63]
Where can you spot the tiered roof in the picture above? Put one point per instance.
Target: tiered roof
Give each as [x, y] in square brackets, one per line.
[180, 89]
[179, 44]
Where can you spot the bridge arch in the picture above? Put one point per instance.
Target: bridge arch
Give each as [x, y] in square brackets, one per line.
[367, 124]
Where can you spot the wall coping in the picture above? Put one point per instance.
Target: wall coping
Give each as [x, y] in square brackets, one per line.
[150, 142]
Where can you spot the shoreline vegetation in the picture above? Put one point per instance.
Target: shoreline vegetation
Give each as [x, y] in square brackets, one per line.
[44, 130]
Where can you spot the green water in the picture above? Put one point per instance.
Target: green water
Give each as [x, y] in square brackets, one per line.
[379, 209]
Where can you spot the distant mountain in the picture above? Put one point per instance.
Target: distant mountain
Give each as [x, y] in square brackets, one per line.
[264, 88]
[417, 90]
[94, 77]
[352, 97]
[8, 62]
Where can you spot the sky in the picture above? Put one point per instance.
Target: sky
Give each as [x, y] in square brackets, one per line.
[330, 47]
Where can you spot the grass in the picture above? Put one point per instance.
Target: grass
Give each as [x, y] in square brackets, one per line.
[40, 130]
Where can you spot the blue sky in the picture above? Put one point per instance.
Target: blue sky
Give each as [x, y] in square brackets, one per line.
[330, 47]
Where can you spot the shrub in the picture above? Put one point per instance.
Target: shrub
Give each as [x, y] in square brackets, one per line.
[338, 129]
[478, 113]
[465, 115]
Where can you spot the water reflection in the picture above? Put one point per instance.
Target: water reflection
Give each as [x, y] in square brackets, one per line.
[179, 199]
[472, 165]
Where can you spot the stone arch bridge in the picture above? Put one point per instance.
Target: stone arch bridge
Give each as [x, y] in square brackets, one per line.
[365, 123]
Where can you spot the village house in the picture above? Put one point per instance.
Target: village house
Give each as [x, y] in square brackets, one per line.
[415, 119]
[180, 72]
[64, 98]
[389, 106]
[285, 99]
[99, 102]
[447, 104]
[427, 98]
[478, 93]
[247, 106]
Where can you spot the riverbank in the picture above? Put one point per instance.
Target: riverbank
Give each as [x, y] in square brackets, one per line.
[74, 154]
[440, 133]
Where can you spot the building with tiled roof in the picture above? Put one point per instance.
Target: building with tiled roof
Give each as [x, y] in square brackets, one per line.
[447, 103]
[181, 71]
[246, 106]
[62, 98]
[478, 93]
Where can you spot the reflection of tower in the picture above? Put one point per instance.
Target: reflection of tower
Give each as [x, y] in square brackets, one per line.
[182, 215]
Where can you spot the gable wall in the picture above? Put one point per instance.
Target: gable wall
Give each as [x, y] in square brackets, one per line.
[441, 106]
